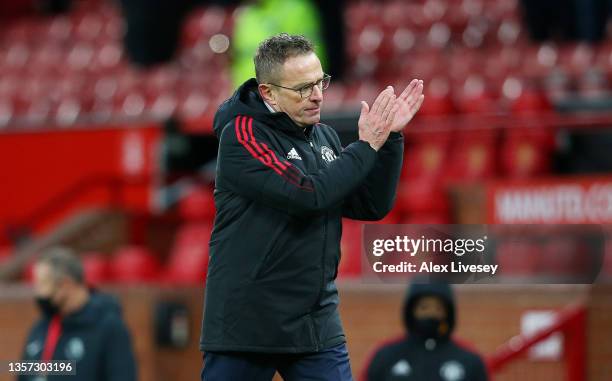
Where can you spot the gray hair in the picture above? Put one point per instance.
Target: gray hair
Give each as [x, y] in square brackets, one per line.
[274, 51]
[64, 263]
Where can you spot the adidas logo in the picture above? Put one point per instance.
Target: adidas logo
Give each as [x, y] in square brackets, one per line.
[293, 155]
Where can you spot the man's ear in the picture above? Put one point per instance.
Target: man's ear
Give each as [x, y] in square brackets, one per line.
[265, 91]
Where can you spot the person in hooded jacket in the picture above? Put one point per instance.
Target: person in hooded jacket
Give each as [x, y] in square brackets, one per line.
[427, 352]
[283, 185]
[77, 324]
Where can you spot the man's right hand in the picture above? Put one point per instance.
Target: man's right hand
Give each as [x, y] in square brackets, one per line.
[375, 123]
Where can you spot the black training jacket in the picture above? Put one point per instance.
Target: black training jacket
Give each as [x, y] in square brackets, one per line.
[95, 338]
[415, 358]
[280, 194]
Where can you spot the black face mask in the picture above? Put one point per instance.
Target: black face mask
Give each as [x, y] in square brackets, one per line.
[46, 306]
[430, 328]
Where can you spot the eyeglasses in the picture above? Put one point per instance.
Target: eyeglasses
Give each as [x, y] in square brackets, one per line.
[306, 90]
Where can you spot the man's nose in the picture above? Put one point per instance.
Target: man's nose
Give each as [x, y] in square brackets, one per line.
[317, 94]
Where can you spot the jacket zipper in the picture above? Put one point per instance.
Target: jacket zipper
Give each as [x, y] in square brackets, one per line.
[318, 161]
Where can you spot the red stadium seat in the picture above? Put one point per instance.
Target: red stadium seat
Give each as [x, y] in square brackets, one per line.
[80, 56]
[370, 40]
[524, 99]
[5, 253]
[392, 217]
[7, 112]
[364, 91]
[531, 102]
[539, 60]
[106, 57]
[188, 261]
[603, 57]
[89, 27]
[593, 84]
[162, 106]
[335, 96]
[473, 156]
[131, 104]
[96, 267]
[526, 153]
[17, 55]
[426, 154]
[28, 272]
[517, 258]
[58, 30]
[429, 65]
[576, 58]
[557, 85]
[475, 96]
[193, 105]
[198, 205]
[134, 264]
[439, 101]
[439, 218]
[510, 32]
[39, 111]
[404, 40]
[439, 35]
[563, 257]
[422, 196]
[350, 248]
[473, 34]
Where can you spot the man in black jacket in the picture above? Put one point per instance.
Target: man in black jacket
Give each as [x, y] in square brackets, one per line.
[77, 325]
[283, 185]
[428, 352]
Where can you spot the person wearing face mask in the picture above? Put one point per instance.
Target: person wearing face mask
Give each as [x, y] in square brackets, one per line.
[427, 352]
[76, 324]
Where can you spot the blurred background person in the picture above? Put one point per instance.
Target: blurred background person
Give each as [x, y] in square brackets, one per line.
[77, 324]
[427, 352]
[261, 19]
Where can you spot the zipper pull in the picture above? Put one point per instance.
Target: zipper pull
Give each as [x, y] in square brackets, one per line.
[312, 145]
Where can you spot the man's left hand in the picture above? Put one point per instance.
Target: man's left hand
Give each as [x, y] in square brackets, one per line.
[409, 103]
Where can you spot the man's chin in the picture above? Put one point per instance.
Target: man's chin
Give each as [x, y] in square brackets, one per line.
[313, 119]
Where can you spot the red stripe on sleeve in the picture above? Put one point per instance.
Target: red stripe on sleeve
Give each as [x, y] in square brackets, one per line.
[250, 149]
[265, 154]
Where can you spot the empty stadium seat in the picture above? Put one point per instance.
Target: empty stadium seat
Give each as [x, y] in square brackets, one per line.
[524, 98]
[393, 217]
[134, 264]
[5, 253]
[576, 58]
[28, 272]
[198, 204]
[392, 41]
[526, 153]
[475, 96]
[436, 218]
[593, 84]
[473, 156]
[426, 153]
[439, 100]
[517, 258]
[350, 248]
[188, 261]
[422, 196]
[96, 267]
[563, 257]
